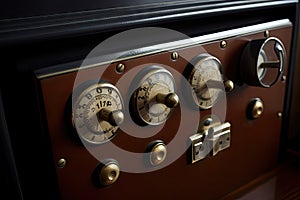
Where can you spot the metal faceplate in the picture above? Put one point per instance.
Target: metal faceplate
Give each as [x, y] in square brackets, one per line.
[241, 142]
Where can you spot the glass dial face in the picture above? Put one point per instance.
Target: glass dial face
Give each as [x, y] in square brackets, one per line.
[86, 112]
[156, 80]
[206, 81]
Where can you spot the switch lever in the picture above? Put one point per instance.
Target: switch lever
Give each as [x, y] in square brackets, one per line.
[210, 141]
[219, 137]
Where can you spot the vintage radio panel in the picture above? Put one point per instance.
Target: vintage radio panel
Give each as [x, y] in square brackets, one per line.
[193, 118]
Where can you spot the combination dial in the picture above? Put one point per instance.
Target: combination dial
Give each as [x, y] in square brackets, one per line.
[97, 112]
[154, 99]
[204, 74]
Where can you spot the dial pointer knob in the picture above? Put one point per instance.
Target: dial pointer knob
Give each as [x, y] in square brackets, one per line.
[115, 118]
[171, 100]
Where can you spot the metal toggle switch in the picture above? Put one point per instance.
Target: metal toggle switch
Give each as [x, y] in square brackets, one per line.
[219, 137]
[210, 140]
[200, 149]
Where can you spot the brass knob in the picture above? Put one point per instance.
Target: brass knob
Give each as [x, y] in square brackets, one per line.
[255, 108]
[158, 153]
[109, 174]
[171, 100]
[113, 117]
[229, 85]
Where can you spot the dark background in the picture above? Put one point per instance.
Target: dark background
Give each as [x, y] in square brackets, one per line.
[37, 34]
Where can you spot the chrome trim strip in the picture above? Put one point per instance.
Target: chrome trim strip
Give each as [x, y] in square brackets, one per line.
[175, 45]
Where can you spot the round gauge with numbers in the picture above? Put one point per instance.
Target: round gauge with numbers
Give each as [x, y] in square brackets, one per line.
[97, 112]
[205, 77]
[154, 100]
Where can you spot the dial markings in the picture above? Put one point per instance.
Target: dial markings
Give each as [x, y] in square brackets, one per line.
[203, 78]
[89, 126]
[146, 107]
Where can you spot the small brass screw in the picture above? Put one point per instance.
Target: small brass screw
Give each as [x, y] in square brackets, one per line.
[279, 114]
[283, 78]
[174, 56]
[229, 85]
[120, 68]
[61, 163]
[267, 33]
[223, 44]
[208, 122]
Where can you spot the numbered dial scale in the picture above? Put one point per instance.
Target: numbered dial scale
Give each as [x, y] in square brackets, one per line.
[97, 112]
[154, 100]
[205, 77]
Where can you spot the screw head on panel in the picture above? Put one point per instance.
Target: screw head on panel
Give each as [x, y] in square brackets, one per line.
[229, 85]
[61, 163]
[279, 114]
[120, 68]
[267, 33]
[174, 56]
[223, 44]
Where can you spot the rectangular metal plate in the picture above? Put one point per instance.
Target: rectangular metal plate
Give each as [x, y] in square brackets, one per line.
[254, 143]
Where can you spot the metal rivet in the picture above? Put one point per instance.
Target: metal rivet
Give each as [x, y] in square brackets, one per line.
[279, 114]
[61, 163]
[208, 121]
[174, 56]
[223, 44]
[120, 68]
[229, 85]
[283, 78]
[267, 33]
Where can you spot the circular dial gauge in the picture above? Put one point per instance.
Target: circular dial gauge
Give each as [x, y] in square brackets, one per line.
[154, 100]
[97, 112]
[206, 80]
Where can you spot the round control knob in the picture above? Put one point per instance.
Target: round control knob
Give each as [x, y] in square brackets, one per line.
[263, 62]
[115, 118]
[255, 108]
[109, 173]
[154, 99]
[171, 100]
[157, 152]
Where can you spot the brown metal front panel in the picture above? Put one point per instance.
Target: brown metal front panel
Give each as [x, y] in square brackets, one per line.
[254, 143]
